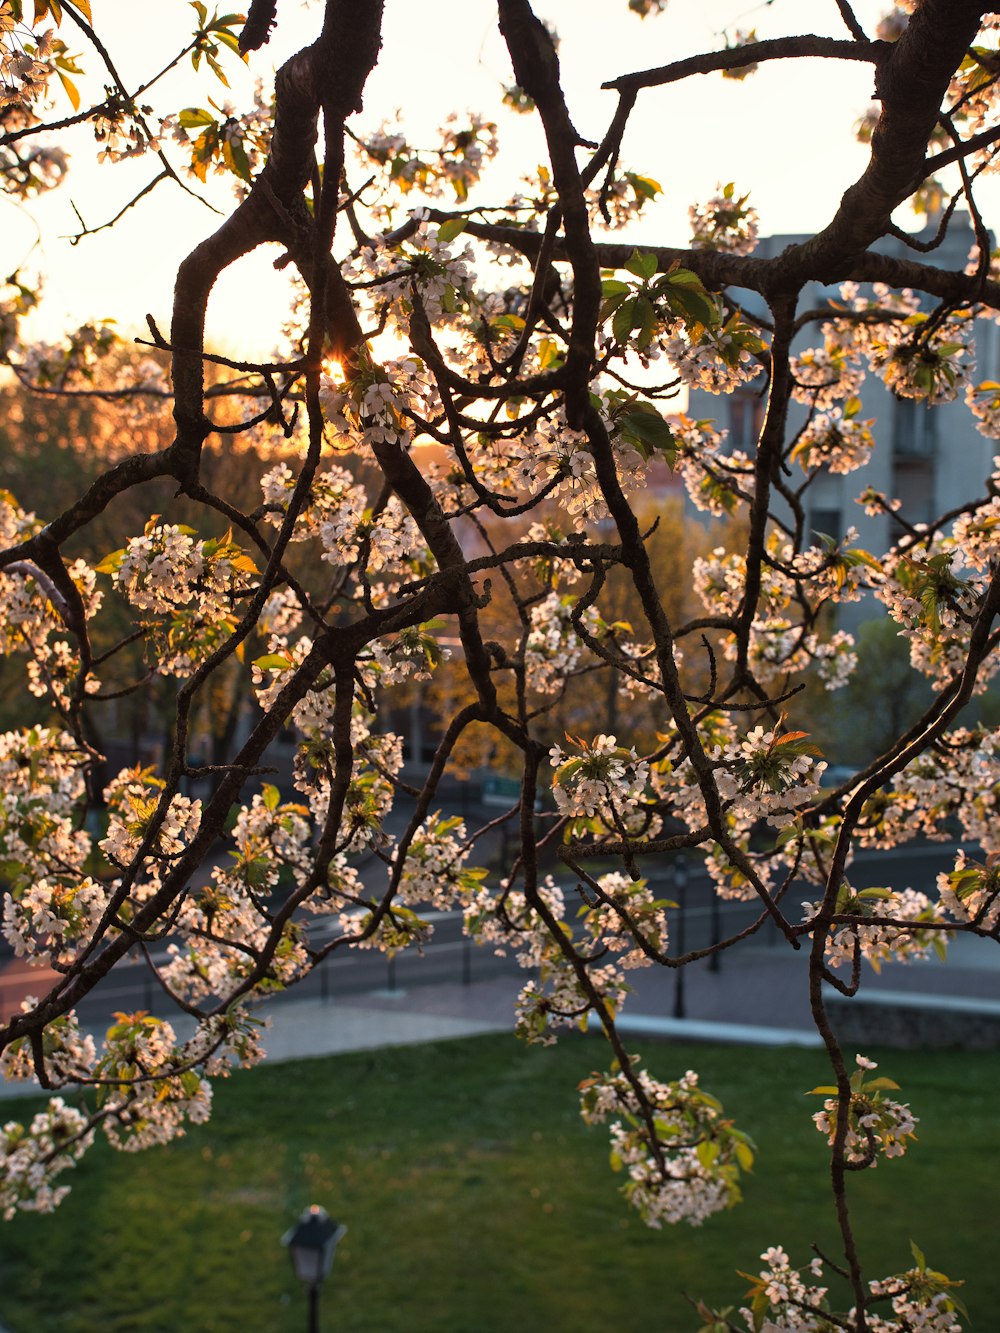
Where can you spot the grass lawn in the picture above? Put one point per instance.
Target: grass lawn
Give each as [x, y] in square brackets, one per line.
[477, 1201]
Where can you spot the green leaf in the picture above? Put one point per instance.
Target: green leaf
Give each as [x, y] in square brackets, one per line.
[235, 156]
[549, 353]
[452, 228]
[643, 263]
[216, 69]
[193, 116]
[744, 1155]
[272, 662]
[111, 563]
[228, 39]
[692, 305]
[644, 186]
[707, 1153]
[70, 89]
[621, 325]
[612, 302]
[644, 320]
[272, 797]
[514, 322]
[647, 426]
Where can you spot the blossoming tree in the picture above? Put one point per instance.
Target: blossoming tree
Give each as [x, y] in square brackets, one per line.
[471, 395]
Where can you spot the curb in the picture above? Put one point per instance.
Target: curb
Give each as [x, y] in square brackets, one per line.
[696, 1029]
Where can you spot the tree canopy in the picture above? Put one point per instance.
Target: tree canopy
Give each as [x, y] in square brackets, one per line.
[452, 469]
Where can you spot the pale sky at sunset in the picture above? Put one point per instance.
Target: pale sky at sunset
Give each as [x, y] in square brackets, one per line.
[784, 135]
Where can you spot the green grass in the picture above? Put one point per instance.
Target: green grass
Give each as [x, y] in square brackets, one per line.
[476, 1200]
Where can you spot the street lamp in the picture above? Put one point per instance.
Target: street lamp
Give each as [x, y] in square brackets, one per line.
[311, 1244]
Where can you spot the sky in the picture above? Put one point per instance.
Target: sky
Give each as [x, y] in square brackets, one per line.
[784, 134]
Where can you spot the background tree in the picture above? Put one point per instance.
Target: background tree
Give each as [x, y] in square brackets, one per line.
[537, 348]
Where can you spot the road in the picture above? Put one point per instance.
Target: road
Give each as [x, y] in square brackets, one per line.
[451, 959]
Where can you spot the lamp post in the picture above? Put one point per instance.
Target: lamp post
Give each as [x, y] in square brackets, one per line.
[680, 876]
[311, 1244]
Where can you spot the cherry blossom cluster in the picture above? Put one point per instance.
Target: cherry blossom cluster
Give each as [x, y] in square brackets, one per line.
[434, 869]
[376, 405]
[717, 480]
[720, 360]
[725, 221]
[888, 926]
[426, 267]
[983, 401]
[377, 759]
[195, 586]
[683, 1167]
[334, 500]
[835, 440]
[566, 990]
[958, 780]
[623, 913]
[768, 774]
[604, 776]
[971, 891]
[466, 144]
[138, 819]
[224, 922]
[36, 613]
[876, 1125]
[33, 1155]
[559, 998]
[228, 140]
[390, 931]
[786, 1298]
[778, 646]
[930, 364]
[925, 592]
[148, 1100]
[622, 198]
[27, 60]
[121, 133]
[51, 903]
[167, 568]
[552, 648]
[825, 376]
[147, 1090]
[69, 1053]
[510, 922]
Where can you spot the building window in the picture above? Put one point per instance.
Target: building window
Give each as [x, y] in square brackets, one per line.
[914, 429]
[825, 523]
[746, 416]
[913, 487]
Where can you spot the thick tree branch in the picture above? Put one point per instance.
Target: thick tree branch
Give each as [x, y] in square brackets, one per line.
[753, 53]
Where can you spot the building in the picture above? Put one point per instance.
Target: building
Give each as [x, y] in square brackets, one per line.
[932, 459]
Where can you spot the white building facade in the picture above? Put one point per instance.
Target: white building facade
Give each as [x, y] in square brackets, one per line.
[931, 459]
